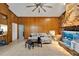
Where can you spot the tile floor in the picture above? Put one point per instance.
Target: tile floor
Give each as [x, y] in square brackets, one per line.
[17, 49]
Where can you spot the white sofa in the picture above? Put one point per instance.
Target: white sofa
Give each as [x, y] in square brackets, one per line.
[44, 36]
[46, 39]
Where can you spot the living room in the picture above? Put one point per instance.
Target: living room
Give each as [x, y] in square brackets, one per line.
[37, 23]
[22, 22]
[20, 25]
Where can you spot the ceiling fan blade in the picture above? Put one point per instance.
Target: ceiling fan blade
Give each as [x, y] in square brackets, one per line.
[34, 9]
[30, 6]
[43, 9]
[38, 10]
[48, 6]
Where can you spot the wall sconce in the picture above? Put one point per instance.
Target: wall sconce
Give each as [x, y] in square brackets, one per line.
[34, 28]
[48, 19]
[2, 16]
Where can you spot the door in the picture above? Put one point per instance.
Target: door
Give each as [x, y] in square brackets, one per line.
[21, 32]
[14, 31]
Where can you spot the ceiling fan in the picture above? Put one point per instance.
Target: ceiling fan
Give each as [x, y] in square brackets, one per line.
[39, 6]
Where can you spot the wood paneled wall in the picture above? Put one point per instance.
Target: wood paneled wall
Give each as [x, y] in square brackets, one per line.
[11, 18]
[40, 24]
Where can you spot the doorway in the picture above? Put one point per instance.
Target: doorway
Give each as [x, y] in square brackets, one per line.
[14, 31]
[21, 31]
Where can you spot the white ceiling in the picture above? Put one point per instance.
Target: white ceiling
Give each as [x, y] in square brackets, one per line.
[21, 10]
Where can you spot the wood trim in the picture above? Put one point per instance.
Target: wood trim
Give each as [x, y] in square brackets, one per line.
[37, 17]
[12, 12]
[6, 4]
